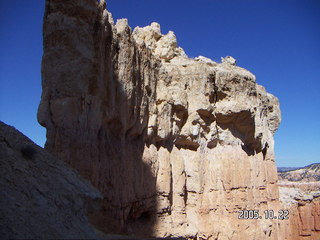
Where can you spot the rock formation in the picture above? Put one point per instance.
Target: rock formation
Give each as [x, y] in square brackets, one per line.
[41, 197]
[304, 210]
[176, 145]
[300, 193]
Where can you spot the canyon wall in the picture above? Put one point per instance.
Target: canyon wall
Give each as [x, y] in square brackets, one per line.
[304, 210]
[299, 193]
[176, 145]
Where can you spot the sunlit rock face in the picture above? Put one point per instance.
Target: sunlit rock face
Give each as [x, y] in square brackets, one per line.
[211, 131]
[176, 145]
[299, 192]
[304, 209]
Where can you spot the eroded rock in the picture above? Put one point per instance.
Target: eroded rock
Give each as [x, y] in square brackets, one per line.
[41, 197]
[176, 145]
[229, 60]
[300, 194]
[304, 213]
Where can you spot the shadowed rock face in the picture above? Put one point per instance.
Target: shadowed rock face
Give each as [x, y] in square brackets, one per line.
[98, 87]
[41, 197]
[176, 145]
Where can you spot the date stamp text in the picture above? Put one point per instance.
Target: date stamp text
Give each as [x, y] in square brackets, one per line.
[267, 214]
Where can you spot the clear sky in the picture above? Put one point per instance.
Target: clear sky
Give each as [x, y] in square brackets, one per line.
[277, 40]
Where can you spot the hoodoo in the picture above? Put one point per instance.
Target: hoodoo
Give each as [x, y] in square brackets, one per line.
[178, 146]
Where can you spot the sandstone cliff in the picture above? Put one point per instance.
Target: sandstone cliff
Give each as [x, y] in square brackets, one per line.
[304, 209]
[41, 197]
[300, 193]
[176, 145]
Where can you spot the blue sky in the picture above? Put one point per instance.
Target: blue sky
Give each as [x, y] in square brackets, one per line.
[278, 41]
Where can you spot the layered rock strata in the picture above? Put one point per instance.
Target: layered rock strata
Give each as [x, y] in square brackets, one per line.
[176, 145]
[304, 210]
[300, 193]
[41, 197]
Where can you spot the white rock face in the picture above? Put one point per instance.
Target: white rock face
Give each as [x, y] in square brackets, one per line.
[215, 126]
[176, 145]
[205, 60]
[229, 60]
[163, 46]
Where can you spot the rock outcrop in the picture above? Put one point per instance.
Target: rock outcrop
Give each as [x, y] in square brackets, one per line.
[98, 87]
[304, 210]
[212, 133]
[300, 193]
[41, 197]
[176, 145]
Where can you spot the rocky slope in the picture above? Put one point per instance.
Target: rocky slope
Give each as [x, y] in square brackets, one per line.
[310, 173]
[41, 197]
[286, 169]
[300, 193]
[176, 145]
